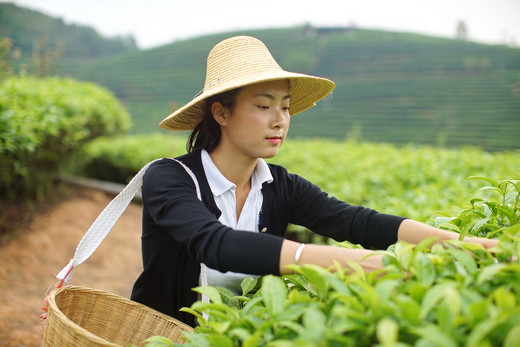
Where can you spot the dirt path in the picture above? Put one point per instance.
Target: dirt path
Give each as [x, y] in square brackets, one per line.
[29, 263]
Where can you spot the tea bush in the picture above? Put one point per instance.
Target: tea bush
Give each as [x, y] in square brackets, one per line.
[119, 158]
[43, 122]
[487, 218]
[456, 295]
[411, 181]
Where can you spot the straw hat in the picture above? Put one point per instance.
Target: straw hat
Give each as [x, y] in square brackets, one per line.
[240, 61]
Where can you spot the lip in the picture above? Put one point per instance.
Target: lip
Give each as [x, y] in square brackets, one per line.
[274, 139]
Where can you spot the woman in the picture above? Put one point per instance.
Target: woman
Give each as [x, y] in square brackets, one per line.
[237, 226]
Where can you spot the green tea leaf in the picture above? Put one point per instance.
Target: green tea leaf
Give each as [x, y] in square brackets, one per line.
[478, 334]
[489, 272]
[478, 310]
[242, 333]
[409, 309]
[158, 341]
[191, 311]
[296, 327]
[425, 269]
[316, 276]
[404, 252]
[449, 309]
[291, 313]
[489, 180]
[254, 340]
[504, 298]
[211, 292]
[436, 336]
[314, 322]
[219, 340]
[513, 337]
[219, 327]
[465, 259]
[248, 284]
[196, 339]
[274, 294]
[216, 310]
[417, 291]
[252, 305]
[432, 297]
[387, 331]
[228, 297]
[386, 288]
[424, 244]
[298, 297]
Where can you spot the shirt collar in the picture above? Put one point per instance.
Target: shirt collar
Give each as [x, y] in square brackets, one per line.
[261, 175]
[220, 184]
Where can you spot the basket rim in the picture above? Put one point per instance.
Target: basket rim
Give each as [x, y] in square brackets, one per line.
[53, 307]
[77, 289]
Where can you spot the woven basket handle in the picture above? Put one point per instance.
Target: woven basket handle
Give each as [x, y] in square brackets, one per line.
[107, 218]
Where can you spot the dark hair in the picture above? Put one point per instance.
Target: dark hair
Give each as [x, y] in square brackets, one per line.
[206, 135]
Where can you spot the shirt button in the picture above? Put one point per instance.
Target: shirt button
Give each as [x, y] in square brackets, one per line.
[263, 230]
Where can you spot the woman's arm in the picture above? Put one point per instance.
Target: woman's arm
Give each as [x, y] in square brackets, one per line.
[414, 232]
[409, 231]
[324, 256]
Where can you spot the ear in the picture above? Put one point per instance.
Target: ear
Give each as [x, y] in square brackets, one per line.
[220, 113]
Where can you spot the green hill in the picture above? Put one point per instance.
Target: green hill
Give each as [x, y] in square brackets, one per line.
[29, 29]
[391, 87]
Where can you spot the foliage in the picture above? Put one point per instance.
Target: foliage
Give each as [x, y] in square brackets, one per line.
[458, 294]
[452, 296]
[118, 159]
[44, 121]
[412, 181]
[425, 296]
[25, 27]
[487, 217]
[391, 87]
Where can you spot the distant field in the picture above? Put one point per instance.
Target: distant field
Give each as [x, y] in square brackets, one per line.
[412, 180]
[390, 87]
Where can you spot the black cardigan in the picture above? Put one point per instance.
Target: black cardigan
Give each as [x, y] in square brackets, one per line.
[180, 231]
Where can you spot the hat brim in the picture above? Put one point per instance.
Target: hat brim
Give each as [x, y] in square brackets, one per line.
[305, 91]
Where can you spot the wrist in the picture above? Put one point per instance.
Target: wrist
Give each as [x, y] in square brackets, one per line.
[298, 253]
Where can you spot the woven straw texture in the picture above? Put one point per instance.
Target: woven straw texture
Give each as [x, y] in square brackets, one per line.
[241, 61]
[80, 316]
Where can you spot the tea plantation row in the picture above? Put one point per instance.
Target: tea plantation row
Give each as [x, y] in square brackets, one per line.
[457, 295]
[43, 122]
[413, 181]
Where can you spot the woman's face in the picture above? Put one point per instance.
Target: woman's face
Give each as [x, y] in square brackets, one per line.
[258, 123]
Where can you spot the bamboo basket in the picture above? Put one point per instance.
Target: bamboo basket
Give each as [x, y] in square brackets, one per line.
[81, 316]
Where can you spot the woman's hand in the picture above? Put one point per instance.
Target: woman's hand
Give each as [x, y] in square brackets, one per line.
[414, 232]
[486, 243]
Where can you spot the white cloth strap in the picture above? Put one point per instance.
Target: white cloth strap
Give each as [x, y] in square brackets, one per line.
[108, 217]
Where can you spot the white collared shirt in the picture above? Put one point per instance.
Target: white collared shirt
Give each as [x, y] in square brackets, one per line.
[224, 194]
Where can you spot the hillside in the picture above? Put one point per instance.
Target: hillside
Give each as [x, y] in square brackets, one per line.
[32, 30]
[390, 87]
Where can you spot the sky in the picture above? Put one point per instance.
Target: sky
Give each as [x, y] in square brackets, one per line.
[158, 22]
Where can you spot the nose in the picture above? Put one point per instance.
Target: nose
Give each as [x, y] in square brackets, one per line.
[280, 118]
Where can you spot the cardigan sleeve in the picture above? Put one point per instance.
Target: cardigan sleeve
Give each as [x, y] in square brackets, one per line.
[172, 206]
[314, 209]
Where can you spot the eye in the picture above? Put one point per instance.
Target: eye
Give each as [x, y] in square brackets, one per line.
[263, 107]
